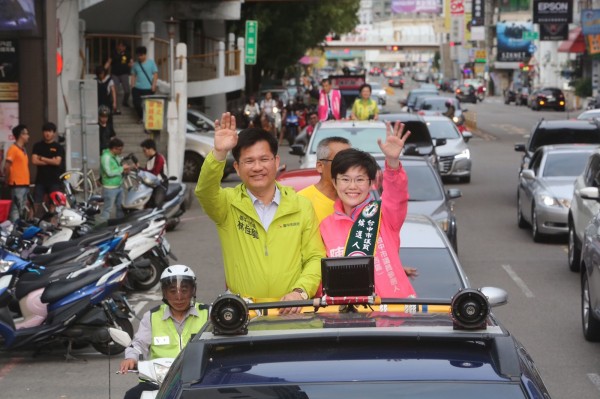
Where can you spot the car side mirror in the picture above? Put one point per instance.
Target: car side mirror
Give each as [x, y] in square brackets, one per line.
[528, 174]
[589, 193]
[297, 149]
[520, 147]
[454, 193]
[467, 136]
[439, 142]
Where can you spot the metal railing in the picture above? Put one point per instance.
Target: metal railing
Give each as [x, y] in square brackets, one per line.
[98, 48]
[232, 62]
[161, 57]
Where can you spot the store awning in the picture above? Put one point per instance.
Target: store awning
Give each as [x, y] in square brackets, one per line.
[575, 44]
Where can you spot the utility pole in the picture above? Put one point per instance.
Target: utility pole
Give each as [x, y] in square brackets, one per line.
[488, 17]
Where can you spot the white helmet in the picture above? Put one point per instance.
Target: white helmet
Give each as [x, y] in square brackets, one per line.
[178, 275]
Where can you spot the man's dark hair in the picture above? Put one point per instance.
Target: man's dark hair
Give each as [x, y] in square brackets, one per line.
[352, 157]
[115, 142]
[49, 127]
[365, 85]
[141, 50]
[325, 80]
[148, 143]
[249, 137]
[99, 69]
[121, 42]
[17, 130]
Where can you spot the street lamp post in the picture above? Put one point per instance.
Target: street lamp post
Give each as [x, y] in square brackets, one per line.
[172, 25]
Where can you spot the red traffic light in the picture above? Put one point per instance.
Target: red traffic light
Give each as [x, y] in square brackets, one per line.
[451, 44]
[394, 48]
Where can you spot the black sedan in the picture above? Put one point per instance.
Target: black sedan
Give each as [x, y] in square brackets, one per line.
[396, 81]
[466, 94]
[549, 97]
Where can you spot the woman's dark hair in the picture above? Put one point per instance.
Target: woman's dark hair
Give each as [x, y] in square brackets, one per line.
[352, 157]
[363, 86]
[249, 137]
[99, 70]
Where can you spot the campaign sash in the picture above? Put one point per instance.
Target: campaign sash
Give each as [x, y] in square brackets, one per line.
[364, 232]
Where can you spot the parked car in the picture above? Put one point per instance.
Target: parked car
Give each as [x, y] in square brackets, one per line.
[427, 194]
[545, 188]
[396, 81]
[558, 132]
[378, 92]
[421, 77]
[436, 105]
[585, 204]
[466, 93]
[590, 280]
[409, 103]
[547, 97]
[427, 350]
[454, 157]
[362, 135]
[589, 114]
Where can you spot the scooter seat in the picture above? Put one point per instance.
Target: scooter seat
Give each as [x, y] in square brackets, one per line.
[59, 257]
[35, 279]
[131, 217]
[91, 239]
[173, 190]
[137, 228]
[61, 288]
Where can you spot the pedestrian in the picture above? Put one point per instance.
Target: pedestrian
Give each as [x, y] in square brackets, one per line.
[144, 77]
[269, 234]
[48, 156]
[120, 64]
[313, 119]
[166, 329]
[16, 172]
[111, 172]
[331, 104]
[364, 107]
[107, 94]
[362, 226]
[157, 165]
[106, 130]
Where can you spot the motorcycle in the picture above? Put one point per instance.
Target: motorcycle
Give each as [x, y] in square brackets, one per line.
[77, 310]
[292, 123]
[153, 371]
[140, 193]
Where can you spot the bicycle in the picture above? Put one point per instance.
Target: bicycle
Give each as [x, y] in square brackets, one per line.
[75, 179]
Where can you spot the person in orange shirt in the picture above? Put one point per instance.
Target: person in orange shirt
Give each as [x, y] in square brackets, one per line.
[16, 172]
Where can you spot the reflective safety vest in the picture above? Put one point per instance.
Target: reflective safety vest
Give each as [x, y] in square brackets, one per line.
[166, 341]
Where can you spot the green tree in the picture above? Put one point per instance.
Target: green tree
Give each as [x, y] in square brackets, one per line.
[287, 29]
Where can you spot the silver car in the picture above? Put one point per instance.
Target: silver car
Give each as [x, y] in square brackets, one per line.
[378, 93]
[546, 188]
[454, 157]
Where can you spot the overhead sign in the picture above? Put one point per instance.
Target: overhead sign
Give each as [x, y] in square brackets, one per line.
[511, 45]
[554, 32]
[251, 42]
[478, 12]
[552, 11]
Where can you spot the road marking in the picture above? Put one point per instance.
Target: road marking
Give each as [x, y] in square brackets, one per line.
[9, 366]
[520, 283]
[138, 307]
[595, 379]
[193, 218]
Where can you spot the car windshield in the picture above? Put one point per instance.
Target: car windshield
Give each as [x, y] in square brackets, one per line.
[364, 139]
[412, 96]
[564, 136]
[361, 390]
[443, 130]
[438, 104]
[438, 277]
[422, 183]
[565, 164]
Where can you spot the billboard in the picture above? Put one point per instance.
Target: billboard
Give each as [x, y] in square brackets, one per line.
[554, 31]
[478, 12]
[590, 28]
[511, 45]
[17, 15]
[552, 11]
[514, 5]
[9, 88]
[412, 6]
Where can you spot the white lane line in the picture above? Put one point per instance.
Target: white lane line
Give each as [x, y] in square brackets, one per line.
[595, 379]
[520, 283]
[138, 307]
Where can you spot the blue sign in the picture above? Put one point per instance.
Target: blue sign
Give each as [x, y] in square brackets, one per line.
[590, 22]
[532, 48]
[511, 45]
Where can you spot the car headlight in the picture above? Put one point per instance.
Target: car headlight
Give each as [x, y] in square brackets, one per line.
[465, 154]
[455, 119]
[5, 265]
[549, 200]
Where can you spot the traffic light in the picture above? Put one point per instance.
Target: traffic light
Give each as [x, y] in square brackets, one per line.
[394, 48]
[451, 44]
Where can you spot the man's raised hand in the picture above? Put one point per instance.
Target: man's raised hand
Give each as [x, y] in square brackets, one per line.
[225, 136]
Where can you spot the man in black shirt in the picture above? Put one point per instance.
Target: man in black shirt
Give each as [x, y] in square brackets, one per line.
[120, 63]
[48, 156]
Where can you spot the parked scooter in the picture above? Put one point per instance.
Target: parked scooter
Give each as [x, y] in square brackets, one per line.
[153, 371]
[140, 193]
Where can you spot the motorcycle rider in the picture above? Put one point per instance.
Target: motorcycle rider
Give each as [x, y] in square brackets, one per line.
[450, 109]
[165, 330]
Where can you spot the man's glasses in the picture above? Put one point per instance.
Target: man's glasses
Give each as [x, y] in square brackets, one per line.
[360, 181]
[261, 161]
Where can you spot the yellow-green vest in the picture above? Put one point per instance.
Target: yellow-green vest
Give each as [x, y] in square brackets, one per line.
[163, 329]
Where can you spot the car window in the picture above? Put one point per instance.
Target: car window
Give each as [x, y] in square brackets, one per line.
[443, 130]
[591, 170]
[364, 139]
[589, 115]
[565, 164]
[438, 104]
[412, 96]
[534, 163]
[422, 183]
[438, 277]
[564, 136]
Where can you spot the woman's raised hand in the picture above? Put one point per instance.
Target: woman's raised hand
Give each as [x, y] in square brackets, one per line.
[394, 142]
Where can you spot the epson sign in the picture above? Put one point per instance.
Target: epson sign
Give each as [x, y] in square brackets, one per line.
[552, 11]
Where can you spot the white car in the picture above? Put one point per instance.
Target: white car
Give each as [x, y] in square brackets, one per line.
[378, 92]
[589, 114]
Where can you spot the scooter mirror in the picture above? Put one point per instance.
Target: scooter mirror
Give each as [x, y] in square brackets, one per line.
[120, 337]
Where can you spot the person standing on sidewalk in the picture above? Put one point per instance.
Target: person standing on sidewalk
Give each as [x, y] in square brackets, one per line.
[144, 77]
[112, 172]
[16, 172]
[47, 155]
[120, 63]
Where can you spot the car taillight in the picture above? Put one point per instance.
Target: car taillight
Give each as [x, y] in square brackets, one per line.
[391, 81]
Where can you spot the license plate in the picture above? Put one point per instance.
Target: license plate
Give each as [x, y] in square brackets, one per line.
[166, 246]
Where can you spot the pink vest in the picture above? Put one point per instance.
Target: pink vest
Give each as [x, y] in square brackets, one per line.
[336, 100]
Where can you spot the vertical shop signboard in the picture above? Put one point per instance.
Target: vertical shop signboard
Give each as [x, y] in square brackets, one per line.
[9, 88]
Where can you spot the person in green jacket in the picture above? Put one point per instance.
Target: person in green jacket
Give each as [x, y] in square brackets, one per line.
[111, 172]
[269, 235]
[165, 330]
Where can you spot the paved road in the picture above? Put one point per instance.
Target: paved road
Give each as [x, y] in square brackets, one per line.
[543, 309]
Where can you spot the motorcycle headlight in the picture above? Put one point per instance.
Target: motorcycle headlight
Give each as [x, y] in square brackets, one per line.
[5, 265]
[466, 154]
[455, 119]
[161, 372]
